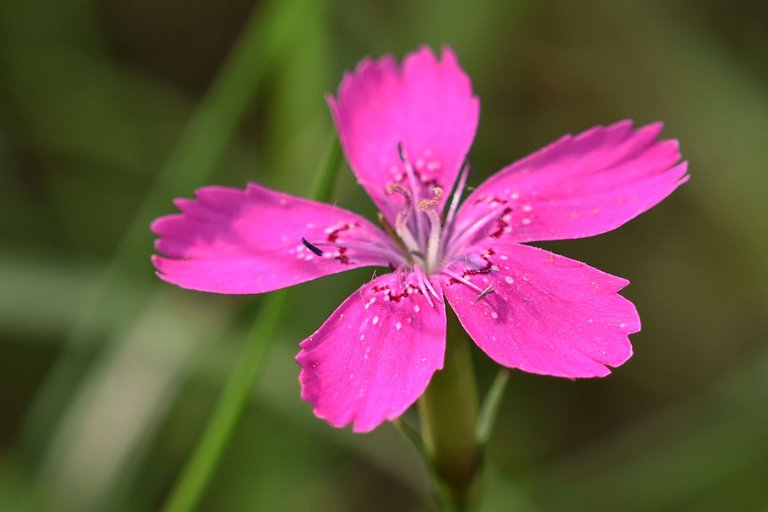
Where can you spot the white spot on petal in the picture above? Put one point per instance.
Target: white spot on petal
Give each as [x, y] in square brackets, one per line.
[494, 315]
[509, 280]
[398, 326]
[416, 308]
[375, 320]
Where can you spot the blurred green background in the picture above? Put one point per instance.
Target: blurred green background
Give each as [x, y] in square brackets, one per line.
[111, 108]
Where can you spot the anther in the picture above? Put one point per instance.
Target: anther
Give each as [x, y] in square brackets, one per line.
[389, 230]
[401, 152]
[426, 204]
[458, 190]
[485, 292]
[311, 247]
[398, 188]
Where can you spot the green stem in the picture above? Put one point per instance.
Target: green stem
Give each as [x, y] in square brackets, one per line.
[197, 474]
[448, 411]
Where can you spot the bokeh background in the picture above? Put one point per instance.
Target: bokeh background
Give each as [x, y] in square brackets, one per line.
[111, 108]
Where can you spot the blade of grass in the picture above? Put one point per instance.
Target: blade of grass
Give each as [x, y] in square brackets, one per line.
[201, 146]
[195, 477]
[491, 406]
[117, 409]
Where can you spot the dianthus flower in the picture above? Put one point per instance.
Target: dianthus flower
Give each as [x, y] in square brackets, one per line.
[406, 131]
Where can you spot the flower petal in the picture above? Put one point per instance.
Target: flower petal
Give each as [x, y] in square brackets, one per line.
[576, 187]
[375, 355]
[547, 314]
[250, 241]
[426, 105]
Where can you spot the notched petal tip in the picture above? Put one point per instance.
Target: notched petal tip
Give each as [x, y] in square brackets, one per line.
[582, 185]
[548, 315]
[156, 227]
[424, 102]
[157, 261]
[448, 55]
[243, 241]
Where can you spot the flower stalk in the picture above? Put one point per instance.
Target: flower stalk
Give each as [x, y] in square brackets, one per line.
[448, 413]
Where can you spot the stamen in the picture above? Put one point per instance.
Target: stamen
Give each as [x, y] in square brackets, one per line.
[456, 199]
[414, 183]
[401, 152]
[471, 230]
[311, 247]
[426, 204]
[398, 188]
[401, 227]
[462, 280]
[485, 292]
[389, 230]
[401, 221]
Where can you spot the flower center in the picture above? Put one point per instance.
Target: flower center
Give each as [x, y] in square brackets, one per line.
[419, 230]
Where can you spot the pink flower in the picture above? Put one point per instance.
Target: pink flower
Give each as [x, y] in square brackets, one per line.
[406, 131]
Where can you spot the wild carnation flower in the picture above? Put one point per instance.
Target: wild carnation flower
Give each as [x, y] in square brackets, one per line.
[406, 131]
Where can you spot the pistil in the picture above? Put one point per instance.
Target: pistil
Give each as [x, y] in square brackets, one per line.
[428, 207]
[413, 181]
